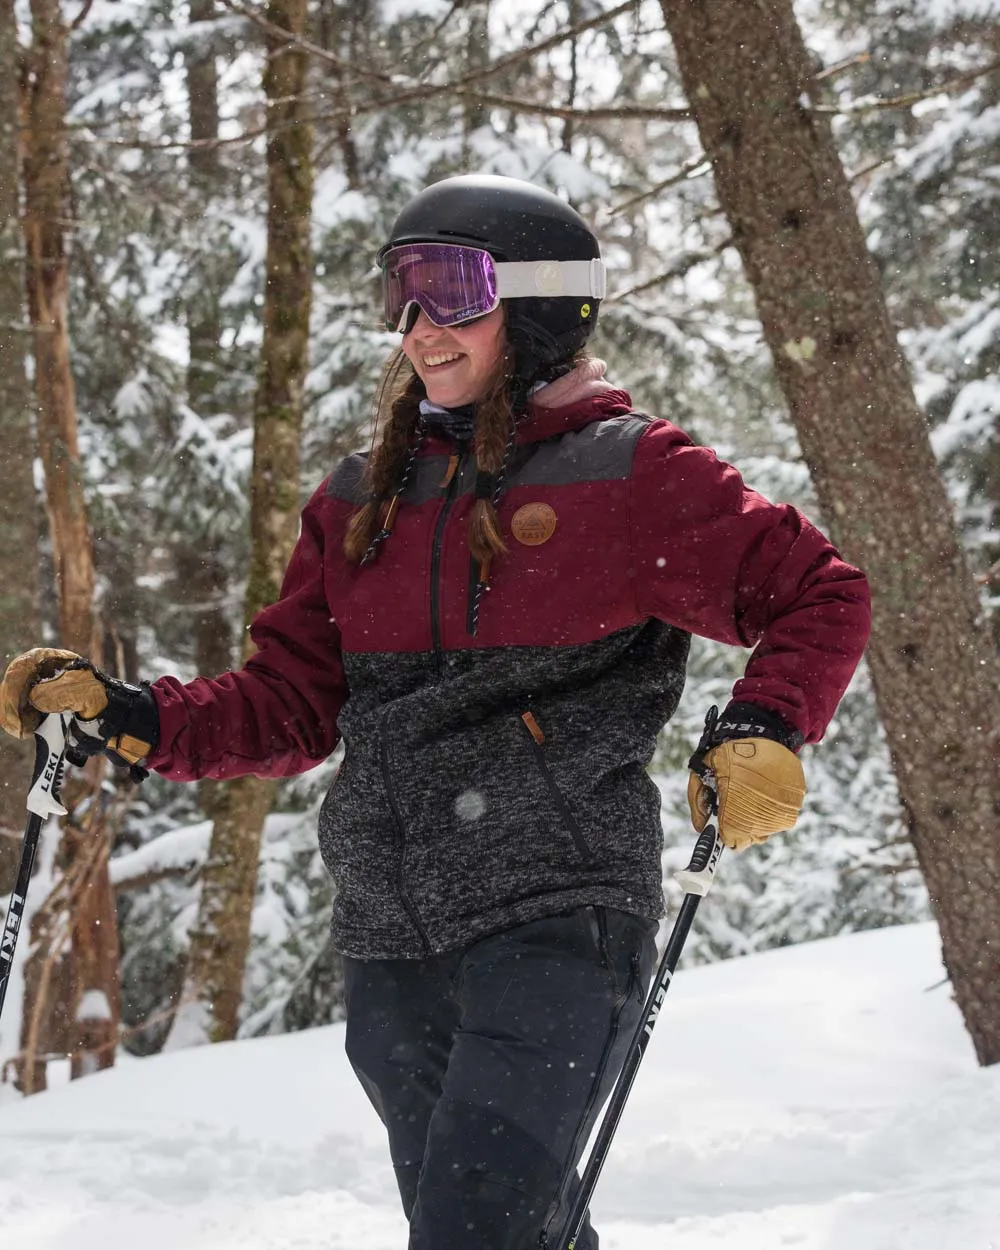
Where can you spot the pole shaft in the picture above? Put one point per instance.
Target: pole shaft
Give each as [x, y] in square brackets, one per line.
[15, 910]
[623, 1085]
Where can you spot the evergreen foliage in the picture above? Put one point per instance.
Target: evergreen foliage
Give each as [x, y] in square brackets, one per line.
[168, 457]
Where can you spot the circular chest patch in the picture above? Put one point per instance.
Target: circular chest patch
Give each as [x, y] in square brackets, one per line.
[533, 524]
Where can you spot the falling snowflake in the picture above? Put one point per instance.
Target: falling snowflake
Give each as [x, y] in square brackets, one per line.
[470, 805]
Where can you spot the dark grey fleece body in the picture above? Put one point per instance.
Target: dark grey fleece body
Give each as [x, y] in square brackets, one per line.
[448, 821]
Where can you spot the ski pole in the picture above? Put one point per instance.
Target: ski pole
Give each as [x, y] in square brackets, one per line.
[42, 801]
[696, 881]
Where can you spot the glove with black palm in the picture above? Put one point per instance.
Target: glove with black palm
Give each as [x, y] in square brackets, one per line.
[745, 769]
[110, 716]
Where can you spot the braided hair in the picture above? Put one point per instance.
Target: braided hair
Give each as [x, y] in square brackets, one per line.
[397, 412]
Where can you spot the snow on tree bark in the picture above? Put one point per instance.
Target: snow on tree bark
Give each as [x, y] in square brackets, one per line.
[747, 74]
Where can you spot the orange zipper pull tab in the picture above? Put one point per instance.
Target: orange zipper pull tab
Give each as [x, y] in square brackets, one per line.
[449, 472]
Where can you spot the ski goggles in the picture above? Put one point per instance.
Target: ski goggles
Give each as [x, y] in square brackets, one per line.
[453, 283]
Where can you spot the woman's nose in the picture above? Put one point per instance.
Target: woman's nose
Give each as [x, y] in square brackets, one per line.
[422, 326]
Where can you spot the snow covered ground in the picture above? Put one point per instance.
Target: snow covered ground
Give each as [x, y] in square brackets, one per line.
[822, 1097]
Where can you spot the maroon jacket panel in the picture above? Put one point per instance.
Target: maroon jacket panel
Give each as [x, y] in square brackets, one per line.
[646, 525]
[278, 714]
[719, 560]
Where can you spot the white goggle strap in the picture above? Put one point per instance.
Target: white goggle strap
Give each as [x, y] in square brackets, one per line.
[548, 279]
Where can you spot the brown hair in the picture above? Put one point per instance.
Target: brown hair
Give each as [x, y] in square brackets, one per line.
[397, 410]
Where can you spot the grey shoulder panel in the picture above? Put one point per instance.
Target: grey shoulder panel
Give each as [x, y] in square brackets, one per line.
[601, 452]
[347, 481]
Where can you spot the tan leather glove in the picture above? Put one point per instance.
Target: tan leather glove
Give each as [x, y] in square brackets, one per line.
[110, 716]
[45, 673]
[754, 783]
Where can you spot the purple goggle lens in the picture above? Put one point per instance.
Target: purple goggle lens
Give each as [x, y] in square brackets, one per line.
[451, 283]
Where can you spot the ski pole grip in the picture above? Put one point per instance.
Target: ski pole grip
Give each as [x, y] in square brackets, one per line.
[698, 876]
[46, 780]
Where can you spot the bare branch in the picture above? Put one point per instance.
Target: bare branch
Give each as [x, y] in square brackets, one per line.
[306, 45]
[81, 17]
[171, 145]
[907, 101]
[696, 168]
[424, 90]
[151, 876]
[865, 170]
[882, 870]
[602, 113]
[535, 49]
[990, 577]
[861, 59]
[684, 265]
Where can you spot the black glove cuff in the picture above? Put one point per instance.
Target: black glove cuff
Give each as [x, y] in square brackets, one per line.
[131, 710]
[742, 720]
[750, 720]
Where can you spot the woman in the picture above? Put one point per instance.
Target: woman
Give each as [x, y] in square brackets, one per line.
[493, 611]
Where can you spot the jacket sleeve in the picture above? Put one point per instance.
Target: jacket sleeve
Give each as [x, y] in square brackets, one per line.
[277, 715]
[719, 560]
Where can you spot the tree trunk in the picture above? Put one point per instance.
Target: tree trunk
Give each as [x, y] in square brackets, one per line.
[203, 315]
[477, 54]
[221, 938]
[748, 79]
[338, 30]
[20, 626]
[83, 1016]
[46, 175]
[201, 574]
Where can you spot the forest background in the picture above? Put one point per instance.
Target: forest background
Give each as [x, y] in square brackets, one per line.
[215, 181]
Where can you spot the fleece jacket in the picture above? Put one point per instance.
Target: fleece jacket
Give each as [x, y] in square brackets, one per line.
[494, 777]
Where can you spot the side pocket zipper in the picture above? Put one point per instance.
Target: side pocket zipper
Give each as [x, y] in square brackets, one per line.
[570, 821]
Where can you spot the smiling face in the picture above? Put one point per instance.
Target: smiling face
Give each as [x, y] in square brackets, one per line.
[456, 364]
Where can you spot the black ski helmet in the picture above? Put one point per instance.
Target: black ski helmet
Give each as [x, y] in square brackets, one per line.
[513, 220]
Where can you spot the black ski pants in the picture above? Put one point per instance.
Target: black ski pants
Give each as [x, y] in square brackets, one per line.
[489, 1065]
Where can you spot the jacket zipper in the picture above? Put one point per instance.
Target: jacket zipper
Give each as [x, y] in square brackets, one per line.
[450, 487]
[575, 832]
[408, 905]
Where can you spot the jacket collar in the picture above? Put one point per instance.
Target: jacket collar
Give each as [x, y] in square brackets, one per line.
[542, 423]
[571, 402]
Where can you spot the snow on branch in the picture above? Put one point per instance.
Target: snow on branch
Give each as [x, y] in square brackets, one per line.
[179, 853]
